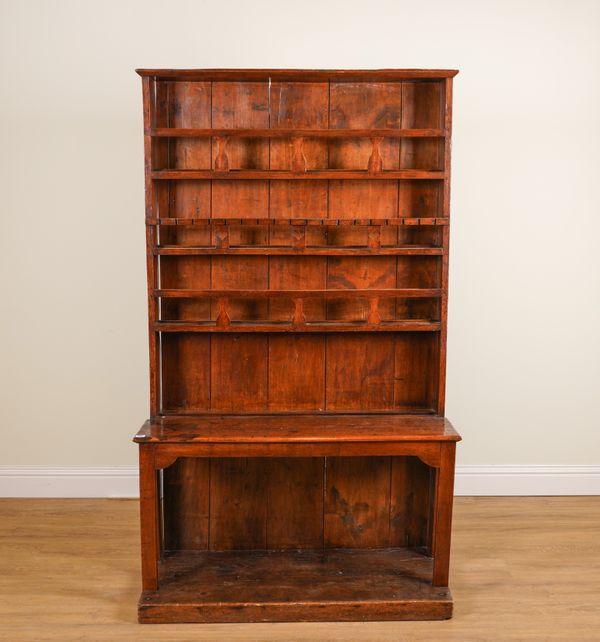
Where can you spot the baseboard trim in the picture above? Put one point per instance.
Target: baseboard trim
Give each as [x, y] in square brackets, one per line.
[470, 480]
[69, 482]
[527, 480]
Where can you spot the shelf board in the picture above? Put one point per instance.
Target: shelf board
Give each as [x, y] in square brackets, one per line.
[295, 585]
[404, 293]
[407, 250]
[405, 325]
[300, 221]
[297, 428]
[177, 132]
[280, 174]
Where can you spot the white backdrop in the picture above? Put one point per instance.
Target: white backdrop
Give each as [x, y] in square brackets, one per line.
[524, 349]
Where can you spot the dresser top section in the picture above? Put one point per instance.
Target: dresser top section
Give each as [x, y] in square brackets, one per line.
[299, 75]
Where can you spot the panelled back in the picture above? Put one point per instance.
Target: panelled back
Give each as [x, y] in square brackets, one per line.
[300, 228]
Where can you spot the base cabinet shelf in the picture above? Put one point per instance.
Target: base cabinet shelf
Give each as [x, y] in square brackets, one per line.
[288, 586]
[297, 464]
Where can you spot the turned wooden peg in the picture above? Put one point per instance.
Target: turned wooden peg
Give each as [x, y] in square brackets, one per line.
[374, 318]
[221, 236]
[223, 319]
[298, 237]
[221, 159]
[375, 160]
[374, 236]
[298, 158]
[299, 318]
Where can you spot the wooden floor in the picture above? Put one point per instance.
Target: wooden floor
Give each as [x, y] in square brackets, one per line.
[522, 569]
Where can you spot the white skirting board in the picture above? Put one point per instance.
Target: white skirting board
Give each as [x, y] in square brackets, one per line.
[470, 480]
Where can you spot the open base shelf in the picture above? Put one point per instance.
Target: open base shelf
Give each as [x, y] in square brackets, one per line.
[297, 585]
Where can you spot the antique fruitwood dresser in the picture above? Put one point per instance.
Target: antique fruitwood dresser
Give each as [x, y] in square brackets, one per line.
[297, 463]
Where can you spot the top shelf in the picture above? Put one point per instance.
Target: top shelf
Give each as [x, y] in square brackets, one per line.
[175, 132]
[299, 75]
[275, 174]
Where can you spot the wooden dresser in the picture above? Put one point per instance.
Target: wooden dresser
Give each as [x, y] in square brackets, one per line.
[297, 464]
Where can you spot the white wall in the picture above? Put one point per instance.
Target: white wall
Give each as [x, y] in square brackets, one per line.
[524, 352]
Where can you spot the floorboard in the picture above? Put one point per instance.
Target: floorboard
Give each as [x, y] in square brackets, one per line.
[523, 568]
